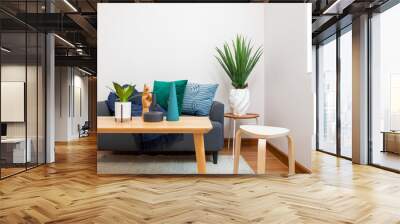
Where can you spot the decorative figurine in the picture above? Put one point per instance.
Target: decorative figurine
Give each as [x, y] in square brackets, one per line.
[147, 98]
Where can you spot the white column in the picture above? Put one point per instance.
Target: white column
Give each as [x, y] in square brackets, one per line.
[50, 99]
[360, 90]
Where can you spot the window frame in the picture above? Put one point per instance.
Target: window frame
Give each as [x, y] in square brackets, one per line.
[334, 37]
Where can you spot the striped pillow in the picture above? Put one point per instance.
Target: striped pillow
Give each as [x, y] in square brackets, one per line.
[198, 98]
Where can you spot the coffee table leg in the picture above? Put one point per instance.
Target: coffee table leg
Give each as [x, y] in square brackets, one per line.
[200, 153]
[291, 155]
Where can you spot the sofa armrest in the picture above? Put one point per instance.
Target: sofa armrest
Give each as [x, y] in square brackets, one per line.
[102, 109]
[217, 112]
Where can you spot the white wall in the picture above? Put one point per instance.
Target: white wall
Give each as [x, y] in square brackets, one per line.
[176, 42]
[289, 97]
[138, 43]
[81, 104]
[69, 82]
[61, 104]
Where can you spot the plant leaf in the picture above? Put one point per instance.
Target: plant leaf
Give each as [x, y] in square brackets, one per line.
[239, 62]
[123, 93]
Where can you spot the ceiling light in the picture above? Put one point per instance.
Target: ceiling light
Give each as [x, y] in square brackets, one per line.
[79, 51]
[84, 71]
[5, 50]
[65, 41]
[70, 5]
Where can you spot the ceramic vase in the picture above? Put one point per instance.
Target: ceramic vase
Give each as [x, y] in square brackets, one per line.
[122, 111]
[239, 101]
[172, 113]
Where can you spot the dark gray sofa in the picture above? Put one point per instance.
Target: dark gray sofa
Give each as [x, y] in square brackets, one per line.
[213, 140]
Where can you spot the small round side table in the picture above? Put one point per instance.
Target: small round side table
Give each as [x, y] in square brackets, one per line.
[232, 120]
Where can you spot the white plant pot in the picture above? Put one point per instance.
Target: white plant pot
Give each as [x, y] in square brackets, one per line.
[239, 101]
[122, 111]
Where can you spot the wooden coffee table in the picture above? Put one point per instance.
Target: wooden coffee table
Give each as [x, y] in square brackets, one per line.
[198, 126]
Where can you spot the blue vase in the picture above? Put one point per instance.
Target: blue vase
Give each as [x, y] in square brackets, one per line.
[172, 113]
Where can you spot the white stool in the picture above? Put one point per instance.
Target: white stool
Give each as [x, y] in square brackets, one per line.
[263, 133]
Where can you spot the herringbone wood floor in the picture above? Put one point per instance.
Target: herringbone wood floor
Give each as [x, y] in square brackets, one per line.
[69, 191]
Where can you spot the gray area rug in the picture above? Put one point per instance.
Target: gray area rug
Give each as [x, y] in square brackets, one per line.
[108, 163]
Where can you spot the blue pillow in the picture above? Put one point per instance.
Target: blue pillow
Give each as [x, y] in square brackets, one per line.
[198, 98]
[111, 99]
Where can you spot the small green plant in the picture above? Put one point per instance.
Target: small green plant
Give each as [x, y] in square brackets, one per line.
[124, 93]
[239, 64]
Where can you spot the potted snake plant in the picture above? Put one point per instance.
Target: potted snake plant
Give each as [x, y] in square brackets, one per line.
[238, 62]
[123, 105]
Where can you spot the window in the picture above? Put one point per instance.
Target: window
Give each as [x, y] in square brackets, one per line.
[385, 89]
[327, 96]
[335, 94]
[346, 94]
[394, 102]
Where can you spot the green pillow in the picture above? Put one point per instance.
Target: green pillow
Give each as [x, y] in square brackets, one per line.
[161, 90]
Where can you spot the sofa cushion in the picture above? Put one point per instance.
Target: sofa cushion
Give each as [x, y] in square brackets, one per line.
[198, 98]
[161, 90]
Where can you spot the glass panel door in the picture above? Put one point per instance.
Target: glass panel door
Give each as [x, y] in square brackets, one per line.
[327, 96]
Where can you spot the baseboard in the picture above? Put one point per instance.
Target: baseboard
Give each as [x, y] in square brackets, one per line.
[284, 159]
[245, 141]
[277, 153]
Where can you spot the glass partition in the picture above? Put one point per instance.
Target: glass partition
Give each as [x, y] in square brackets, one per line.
[22, 63]
[15, 150]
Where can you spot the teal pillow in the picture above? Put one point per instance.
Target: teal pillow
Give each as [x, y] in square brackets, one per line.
[198, 98]
[161, 90]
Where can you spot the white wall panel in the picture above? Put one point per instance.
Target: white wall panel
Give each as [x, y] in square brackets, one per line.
[140, 43]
